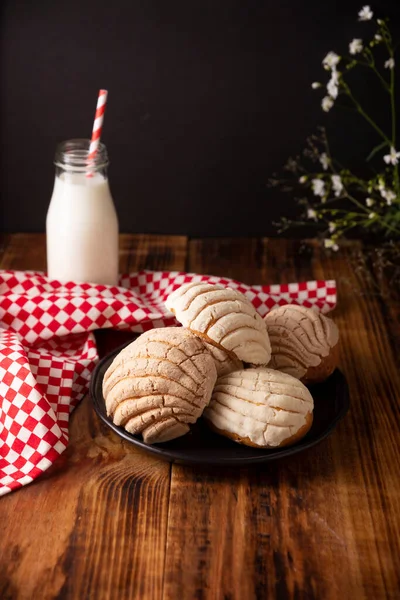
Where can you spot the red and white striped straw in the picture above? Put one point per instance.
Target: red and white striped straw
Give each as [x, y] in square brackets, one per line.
[98, 124]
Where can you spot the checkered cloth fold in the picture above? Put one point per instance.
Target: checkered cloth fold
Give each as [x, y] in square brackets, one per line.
[48, 350]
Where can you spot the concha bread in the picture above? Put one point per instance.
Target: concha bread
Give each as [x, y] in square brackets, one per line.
[304, 342]
[160, 384]
[225, 363]
[260, 407]
[224, 318]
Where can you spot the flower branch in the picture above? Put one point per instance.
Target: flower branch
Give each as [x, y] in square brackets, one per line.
[340, 201]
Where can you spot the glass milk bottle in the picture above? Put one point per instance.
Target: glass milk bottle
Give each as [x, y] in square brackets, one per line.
[81, 224]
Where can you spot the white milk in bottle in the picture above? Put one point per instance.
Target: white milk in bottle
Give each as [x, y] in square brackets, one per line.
[81, 224]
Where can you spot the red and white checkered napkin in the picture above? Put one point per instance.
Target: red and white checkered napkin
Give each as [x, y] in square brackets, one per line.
[47, 350]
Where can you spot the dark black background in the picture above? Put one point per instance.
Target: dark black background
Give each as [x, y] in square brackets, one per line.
[207, 98]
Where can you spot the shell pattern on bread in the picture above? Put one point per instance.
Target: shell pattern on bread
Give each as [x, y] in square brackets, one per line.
[260, 407]
[160, 384]
[224, 318]
[225, 363]
[303, 342]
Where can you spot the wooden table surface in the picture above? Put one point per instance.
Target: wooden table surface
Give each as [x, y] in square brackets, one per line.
[110, 522]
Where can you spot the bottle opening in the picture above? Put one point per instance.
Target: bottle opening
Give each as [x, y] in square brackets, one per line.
[73, 155]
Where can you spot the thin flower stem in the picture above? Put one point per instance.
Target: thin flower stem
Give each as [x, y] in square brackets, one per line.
[327, 147]
[382, 79]
[339, 164]
[350, 109]
[356, 202]
[354, 215]
[390, 227]
[371, 65]
[393, 108]
[331, 200]
[353, 180]
[365, 115]
[346, 194]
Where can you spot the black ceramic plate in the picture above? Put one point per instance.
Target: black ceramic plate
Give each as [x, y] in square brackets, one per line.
[202, 446]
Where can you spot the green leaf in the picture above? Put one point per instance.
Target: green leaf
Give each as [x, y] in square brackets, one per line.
[376, 149]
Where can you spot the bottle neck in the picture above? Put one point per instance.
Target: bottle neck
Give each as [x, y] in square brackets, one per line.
[72, 157]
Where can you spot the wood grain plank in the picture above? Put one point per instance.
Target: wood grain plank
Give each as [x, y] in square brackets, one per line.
[238, 258]
[4, 241]
[371, 491]
[385, 286]
[25, 251]
[325, 523]
[94, 526]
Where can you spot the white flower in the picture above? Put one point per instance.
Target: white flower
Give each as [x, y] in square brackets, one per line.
[337, 185]
[324, 160]
[311, 214]
[369, 202]
[381, 185]
[303, 179]
[392, 158]
[356, 46]
[378, 37]
[332, 227]
[291, 165]
[372, 215]
[316, 85]
[365, 13]
[327, 103]
[332, 87]
[318, 187]
[330, 61]
[388, 195]
[389, 64]
[380, 21]
[331, 244]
